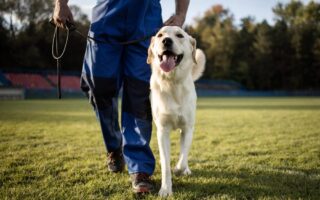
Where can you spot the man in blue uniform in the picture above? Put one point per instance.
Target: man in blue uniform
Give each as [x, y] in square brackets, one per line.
[111, 65]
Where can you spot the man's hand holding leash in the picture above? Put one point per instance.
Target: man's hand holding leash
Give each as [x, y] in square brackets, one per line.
[62, 14]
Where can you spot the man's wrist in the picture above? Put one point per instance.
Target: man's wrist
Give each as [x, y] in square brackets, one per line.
[182, 15]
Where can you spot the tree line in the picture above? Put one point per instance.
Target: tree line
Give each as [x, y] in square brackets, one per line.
[284, 55]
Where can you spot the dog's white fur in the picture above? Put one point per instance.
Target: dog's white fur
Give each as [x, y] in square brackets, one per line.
[173, 98]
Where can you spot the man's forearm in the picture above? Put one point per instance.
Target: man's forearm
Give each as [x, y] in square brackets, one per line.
[61, 1]
[182, 7]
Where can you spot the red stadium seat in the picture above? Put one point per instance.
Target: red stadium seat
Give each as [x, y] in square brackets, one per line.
[28, 81]
[68, 82]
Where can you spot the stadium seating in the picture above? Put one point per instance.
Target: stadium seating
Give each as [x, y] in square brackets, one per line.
[68, 82]
[28, 81]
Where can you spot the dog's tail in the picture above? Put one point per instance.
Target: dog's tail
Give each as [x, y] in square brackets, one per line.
[199, 67]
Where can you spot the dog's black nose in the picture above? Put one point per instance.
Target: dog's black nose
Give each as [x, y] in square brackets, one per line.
[167, 42]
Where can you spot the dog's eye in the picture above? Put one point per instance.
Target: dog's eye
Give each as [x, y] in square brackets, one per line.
[179, 35]
[159, 35]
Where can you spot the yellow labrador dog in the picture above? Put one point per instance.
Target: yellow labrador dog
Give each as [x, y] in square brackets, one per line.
[176, 64]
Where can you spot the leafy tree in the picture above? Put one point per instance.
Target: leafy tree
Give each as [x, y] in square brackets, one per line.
[242, 57]
[5, 43]
[9, 7]
[27, 11]
[217, 34]
[288, 13]
[262, 54]
[282, 55]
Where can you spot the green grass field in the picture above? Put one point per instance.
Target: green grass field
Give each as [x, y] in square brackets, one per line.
[243, 148]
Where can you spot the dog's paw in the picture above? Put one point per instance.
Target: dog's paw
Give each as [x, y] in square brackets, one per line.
[182, 172]
[165, 192]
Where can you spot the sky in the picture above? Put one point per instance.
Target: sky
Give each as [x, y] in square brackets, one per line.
[259, 9]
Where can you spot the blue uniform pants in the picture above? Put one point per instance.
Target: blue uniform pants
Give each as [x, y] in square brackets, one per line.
[110, 66]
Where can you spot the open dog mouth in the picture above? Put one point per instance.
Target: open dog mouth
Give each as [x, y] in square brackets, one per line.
[169, 60]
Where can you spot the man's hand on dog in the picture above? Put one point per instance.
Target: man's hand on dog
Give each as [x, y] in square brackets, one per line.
[175, 20]
[62, 13]
[180, 16]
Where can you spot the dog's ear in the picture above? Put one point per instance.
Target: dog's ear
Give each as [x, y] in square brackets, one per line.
[150, 54]
[194, 48]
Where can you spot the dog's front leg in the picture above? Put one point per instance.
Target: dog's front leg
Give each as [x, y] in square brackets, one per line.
[164, 150]
[182, 167]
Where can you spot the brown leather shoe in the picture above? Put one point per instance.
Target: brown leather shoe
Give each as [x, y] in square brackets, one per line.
[141, 183]
[115, 161]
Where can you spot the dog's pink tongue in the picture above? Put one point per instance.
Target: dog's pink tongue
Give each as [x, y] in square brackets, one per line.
[167, 63]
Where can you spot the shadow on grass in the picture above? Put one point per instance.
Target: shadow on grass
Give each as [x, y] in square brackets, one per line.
[261, 107]
[247, 184]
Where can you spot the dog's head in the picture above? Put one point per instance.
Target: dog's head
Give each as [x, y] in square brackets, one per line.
[171, 47]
